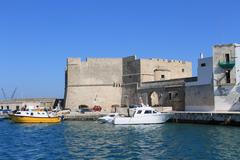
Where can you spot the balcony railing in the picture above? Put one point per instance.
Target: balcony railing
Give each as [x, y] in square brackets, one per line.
[226, 65]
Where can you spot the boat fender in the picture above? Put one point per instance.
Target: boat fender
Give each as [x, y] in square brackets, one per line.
[62, 117]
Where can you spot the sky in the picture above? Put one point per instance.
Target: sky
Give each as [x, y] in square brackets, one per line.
[37, 36]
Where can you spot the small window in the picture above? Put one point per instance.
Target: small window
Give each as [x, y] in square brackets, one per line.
[139, 112]
[170, 96]
[17, 108]
[162, 76]
[203, 65]
[227, 56]
[148, 112]
[228, 76]
[27, 113]
[38, 113]
[112, 116]
[7, 107]
[176, 95]
[31, 114]
[18, 112]
[154, 112]
[183, 70]
[42, 113]
[1, 107]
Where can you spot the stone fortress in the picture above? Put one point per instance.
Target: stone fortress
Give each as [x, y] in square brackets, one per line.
[108, 82]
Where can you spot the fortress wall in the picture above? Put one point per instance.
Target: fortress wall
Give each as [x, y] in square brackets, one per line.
[114, 81]
[93, 82]
[199, 98]
[176, 69]
[131, 79]
[105, 96]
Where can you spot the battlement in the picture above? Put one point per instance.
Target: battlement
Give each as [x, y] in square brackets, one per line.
[73, 61]
[166, 60]
[227, 45]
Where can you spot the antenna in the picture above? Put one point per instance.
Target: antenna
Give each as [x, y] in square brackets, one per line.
[14, 92]
[3, 92]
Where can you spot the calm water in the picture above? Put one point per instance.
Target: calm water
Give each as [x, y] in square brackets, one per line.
[90, 140]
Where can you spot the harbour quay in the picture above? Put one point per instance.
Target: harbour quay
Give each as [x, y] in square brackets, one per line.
[75, 116]
[218, 118]
[222, 118]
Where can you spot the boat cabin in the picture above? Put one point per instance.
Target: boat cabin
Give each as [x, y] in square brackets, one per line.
[145, 111]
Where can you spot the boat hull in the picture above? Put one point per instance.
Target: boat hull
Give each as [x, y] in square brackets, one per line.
[158, 119]
[25, 119]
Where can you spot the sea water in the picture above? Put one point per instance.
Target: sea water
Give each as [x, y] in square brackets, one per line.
[91, 140]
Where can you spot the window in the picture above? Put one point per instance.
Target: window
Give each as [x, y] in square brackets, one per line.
[170, 96]
[203, 65]
[176, 94]
[154, 112]
[148, 112]
[1, 107]
[18, 112]
[7, 107]
[227, 58]
[139, 112]
[17, 108]
[228, 78]
[183, 70]
[162, 76]
[31, 114]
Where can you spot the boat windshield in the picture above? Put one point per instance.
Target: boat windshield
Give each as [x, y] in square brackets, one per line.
[139, 111]
[148, 112]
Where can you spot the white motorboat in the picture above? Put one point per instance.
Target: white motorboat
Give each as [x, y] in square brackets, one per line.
[143, 115]
[108, 118]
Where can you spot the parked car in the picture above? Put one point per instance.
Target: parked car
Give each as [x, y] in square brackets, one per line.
[83, 110]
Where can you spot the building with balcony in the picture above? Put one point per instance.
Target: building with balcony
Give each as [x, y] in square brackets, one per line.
[217, 88]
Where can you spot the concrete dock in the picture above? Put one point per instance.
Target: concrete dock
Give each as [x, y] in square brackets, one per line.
[76, 116]
[222, 118]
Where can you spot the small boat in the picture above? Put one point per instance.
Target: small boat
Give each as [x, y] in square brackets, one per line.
[108, 118]
[143, 115]
[31, 115]
[4, 114]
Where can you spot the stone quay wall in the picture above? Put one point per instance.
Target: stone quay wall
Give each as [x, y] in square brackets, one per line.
[224, 118]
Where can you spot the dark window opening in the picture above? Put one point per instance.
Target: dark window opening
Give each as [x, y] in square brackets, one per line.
[203, 65]
[82, 106]
[228, 77]
[183, 70]
[7, 107]
[176, 94]
[1, 107]
[17, 108]
[31, 114]
[227, 56]
[162, 76]
[170, 96]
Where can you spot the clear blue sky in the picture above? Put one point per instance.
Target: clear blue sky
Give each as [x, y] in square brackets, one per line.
[36, 36]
